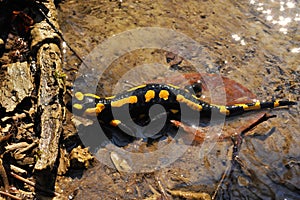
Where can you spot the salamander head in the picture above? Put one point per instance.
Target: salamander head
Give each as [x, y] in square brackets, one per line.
[82, 104]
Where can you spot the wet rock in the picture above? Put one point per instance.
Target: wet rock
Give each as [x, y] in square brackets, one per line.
[119, 162]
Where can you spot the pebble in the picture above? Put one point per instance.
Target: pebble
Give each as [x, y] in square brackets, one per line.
[120, 163]
[242, 181]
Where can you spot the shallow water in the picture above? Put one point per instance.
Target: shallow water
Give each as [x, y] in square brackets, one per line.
[255, 43]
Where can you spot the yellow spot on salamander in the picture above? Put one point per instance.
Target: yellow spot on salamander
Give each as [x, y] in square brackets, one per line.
[92, 95]
[174, 111]
[195, 97]
[79, 96]
[256, 106]
[173, 86]
[150, 94]
[224, 110]
[115, 122]
[111, 97]
[193, 105]
[94, 111]
[133, 99]
[248, 107]
[276, 103]
[90, 111]
[99, 107]
[164, 94]
[121, 102]
[137, 87]
[245, 106]
[78, 106]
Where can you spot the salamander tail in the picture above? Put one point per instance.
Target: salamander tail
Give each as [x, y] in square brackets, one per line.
[241, 108]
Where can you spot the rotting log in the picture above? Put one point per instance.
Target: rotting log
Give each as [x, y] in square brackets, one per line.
[50, 87]
[49, 105]
[46, 30]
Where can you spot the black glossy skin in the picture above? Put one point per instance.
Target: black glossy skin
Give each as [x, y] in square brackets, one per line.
[174, 103]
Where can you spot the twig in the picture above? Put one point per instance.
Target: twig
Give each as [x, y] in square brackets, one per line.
[18, 169]
[4, 176]
[22, 179]
[153, 190]
[138, 192]
[263, 118]
[5, 138]
[161, 188]
[33, 184]
[238, 138]
[220, 182]
[237, 142]
[14, 146]
[33, 144]
[10, 195]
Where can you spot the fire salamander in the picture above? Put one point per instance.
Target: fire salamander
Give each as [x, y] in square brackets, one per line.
[138, 101]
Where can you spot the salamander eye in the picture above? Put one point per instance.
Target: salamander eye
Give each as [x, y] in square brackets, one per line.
[195, 88]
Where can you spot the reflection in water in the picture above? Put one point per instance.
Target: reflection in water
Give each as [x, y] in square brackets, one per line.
[295, 50]
[236, 37]
[284, 14]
